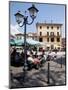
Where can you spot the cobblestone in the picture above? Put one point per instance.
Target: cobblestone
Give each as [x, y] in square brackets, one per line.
[36, 78]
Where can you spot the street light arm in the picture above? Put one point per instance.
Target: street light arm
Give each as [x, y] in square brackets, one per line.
[30, 22]
[21, 25]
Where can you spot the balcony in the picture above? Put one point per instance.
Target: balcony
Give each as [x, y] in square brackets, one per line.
[47, 35]
[52, 35]
[58, 35]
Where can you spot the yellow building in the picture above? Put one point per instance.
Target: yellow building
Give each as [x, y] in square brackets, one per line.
[50, 35]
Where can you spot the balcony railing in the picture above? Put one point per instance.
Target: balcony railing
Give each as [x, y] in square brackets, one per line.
[49, 35]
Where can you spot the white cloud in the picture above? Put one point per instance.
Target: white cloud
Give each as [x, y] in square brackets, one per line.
[14, 29]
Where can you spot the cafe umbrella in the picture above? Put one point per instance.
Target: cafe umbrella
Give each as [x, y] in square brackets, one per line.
[29, 41]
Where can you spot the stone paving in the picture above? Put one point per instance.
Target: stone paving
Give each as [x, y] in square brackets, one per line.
[36, 78]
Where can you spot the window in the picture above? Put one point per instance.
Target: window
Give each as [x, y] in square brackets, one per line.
[40, 33]
[57, 27]
[58, 48]
[52, 33]
[40, 39]
[58, 39]
[52, 27]
[40, 27]
[47, 33]
[17, 38]
[20, 37]
[52, 46]
[47, 27]
[57, 33]
[52, 39]
[47, 39]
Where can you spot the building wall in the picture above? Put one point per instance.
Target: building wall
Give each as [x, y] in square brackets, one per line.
[43, 29]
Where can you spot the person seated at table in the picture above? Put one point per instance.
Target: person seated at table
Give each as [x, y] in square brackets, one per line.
[15, 58]
[30, 61]
[30, 58]
[36, 62]
[12, 57]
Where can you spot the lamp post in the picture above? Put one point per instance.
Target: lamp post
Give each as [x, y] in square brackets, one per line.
[22, 20]
[48, 73]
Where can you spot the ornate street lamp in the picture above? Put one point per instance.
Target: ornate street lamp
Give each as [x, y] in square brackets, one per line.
[33, 11]
[22, 20]
[19, 17]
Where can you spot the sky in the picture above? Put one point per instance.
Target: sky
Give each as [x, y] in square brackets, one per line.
[47, 12]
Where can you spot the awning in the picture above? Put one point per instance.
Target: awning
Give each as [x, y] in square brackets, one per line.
[32, 42]
[21, 42]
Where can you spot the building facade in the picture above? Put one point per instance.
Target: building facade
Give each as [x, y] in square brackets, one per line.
[20, 36]
[50, 35]
[63, 43]
[32, 35]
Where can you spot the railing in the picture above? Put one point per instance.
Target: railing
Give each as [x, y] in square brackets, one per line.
[49, 35]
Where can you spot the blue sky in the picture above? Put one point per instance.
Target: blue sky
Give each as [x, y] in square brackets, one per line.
[47, 12]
